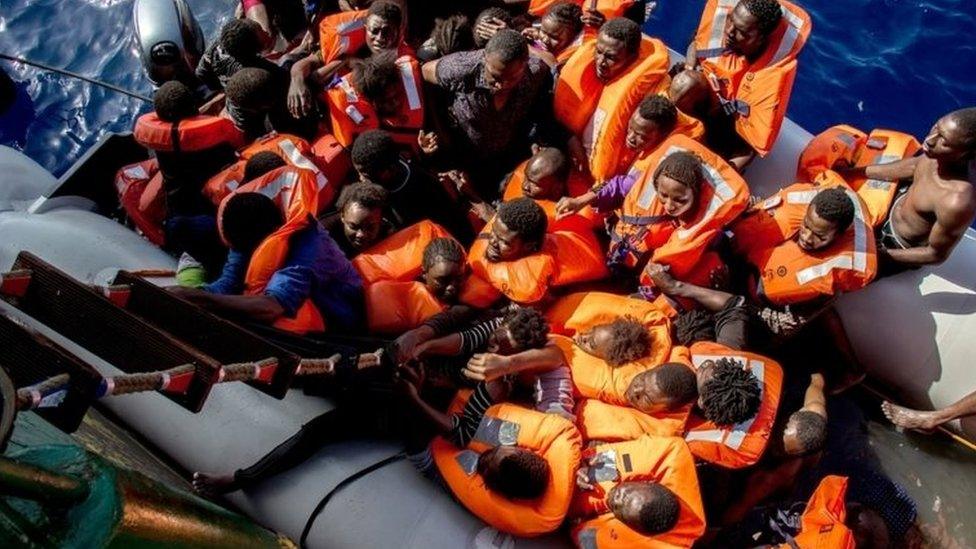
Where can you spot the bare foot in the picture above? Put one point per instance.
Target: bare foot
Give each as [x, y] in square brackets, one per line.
[907, 418]
[213, 485]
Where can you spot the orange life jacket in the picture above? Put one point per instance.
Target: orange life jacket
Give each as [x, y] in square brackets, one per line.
[599, 113]
[326, 159]
[352, 114]
[822, 524]
[598, 420]
[740, 445]
[595, 379]
[663, 460]
[131, 183]
[196, 133]
[552, 436]
[843, 145]
[399, 256]
[644, 228]
[527, 280]
[609, 8]
[583, 221]
[341, 34]
[294, 191]
[789, 274]
[582, 310]
[756, 93]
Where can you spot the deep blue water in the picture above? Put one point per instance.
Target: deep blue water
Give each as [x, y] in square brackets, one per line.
[897, 64]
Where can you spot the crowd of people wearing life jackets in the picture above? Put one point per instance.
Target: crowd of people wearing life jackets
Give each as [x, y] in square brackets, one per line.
[551, 219]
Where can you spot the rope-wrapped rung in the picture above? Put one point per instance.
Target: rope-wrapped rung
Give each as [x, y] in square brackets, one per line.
[15, 283]
[118, 294]
[174, 381]
[327, 366]
[261, 371]
[45, 394]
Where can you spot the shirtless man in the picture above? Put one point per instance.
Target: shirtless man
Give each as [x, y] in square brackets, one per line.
[928, 220]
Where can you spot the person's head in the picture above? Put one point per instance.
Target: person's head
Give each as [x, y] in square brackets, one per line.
[647, 507]
[662, 389]
[617, 46]
[452, 34]
[546, 174]
[376, 157]
[240, 38]
[523, 328]
[750, 25]
[506, 60]
[262, 163]
[560, 26]
[378, 79]
[361, 212]
[869, 527]
[689, 92]
[384, 24]
[805, 433]
[678, 180]
[249, 218]
[953, 137]
[518, 230]
[490, 13]
[728, 394]
[619, 342]
[653, 120]
[694, 326]
[174, 101]
[252, 89]
[442, 268]
[513, 472]
[830, 213]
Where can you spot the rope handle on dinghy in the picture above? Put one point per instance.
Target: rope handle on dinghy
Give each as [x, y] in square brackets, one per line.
[47, 393]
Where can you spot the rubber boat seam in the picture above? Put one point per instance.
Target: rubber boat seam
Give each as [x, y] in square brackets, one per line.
[342, 484]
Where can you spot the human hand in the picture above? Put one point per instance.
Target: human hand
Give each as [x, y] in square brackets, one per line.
[408, 380]
[428, 142]
[483, 211]
[532, 34]
[593, 18]
[577, 155]
[583, 478]
[299, 98]
[660, 275]
[487, 367]
[487, 27]
[409, 341]
[568, 206]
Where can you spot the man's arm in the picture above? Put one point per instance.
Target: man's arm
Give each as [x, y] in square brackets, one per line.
[892, 171]
[489, 366]
[259, 308]
[429, 72]
[952, 220]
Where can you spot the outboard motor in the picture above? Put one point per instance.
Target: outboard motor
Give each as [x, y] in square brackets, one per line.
[169, 39]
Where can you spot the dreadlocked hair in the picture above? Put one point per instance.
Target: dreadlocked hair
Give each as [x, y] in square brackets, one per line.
[528, 327]
[731, 396]
[444, 249]
[630, 341]
[694, 325]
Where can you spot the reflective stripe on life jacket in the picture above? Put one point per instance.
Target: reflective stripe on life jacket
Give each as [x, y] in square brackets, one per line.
[598, 420]
[756, 93]
[645, 227]
[131, 184]
[789, 274]
[662, 460]
[192, 134]
[599, 112]
[352, 114]
[326, 159]
[743, 444]
[341, 34]
[843, 146]
[822, 524]
[551, 436]
[583, 221]
[527, 280]
[294, 191]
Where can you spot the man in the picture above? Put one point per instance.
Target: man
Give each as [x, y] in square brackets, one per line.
[314, 279]
[927, 221]
[498, 104]
[598, 89]
[254, 101]
[517, 231]
[412, 191]
[749, 67]
[239, 47]
[359, 221]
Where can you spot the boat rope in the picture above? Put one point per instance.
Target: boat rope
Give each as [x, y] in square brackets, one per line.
[72, 74]
[342, 484]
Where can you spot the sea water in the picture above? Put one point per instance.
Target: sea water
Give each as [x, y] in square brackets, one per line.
[896, 64]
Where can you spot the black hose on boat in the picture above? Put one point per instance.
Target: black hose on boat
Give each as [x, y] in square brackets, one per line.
[342, 484]
[72, 74]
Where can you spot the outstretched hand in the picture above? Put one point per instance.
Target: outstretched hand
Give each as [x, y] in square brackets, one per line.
[593, 18]
[660, 275]
[428, 143]
[487, 367]
[409, 379]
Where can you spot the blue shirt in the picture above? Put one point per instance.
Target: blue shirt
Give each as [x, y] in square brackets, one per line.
[315, 268]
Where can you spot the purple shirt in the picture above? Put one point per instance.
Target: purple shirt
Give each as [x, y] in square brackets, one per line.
[611, 195]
